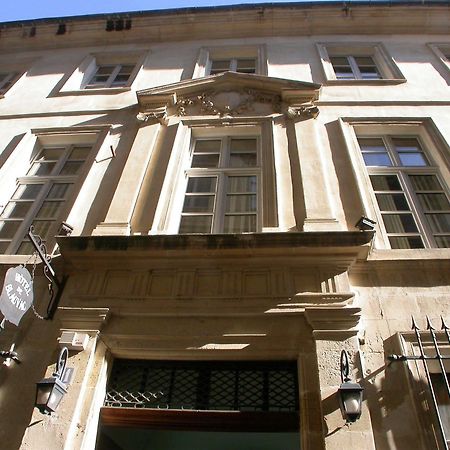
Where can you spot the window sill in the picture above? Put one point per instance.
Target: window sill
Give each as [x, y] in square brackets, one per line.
[100, 91]
[382, 82]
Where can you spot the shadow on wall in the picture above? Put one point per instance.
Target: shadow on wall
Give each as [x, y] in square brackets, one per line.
[127, 132]
[297, 185]
[348, 189]
[401, 412]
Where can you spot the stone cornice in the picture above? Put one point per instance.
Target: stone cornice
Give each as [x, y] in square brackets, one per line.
[300, 19]
[338, 248]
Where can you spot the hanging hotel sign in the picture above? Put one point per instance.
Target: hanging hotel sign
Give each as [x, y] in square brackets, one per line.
[17, 294]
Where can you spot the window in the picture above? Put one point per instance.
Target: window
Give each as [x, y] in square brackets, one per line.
[107, 76]
[443, 400]
[112, 71]
[355, 68]
[235, 65]
[201, 404]
[365, 62]
[223, 185]
[7, 79]
[242, 59]
[411, 197]
[40, 197]
[442, 52]
[427, 355]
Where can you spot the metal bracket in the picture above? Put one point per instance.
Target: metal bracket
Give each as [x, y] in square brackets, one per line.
[49, 273]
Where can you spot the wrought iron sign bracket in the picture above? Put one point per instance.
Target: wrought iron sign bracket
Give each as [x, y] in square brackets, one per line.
[49, 273]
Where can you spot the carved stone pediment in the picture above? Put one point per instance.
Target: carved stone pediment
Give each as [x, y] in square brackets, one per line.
[230, 94]
[229, 103]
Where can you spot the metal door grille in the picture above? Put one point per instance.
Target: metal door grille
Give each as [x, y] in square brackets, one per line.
[433, 378]
[212, 385]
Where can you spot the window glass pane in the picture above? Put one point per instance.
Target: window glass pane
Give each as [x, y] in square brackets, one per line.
[27, 191]
[370, 73]
[410, 152]
[406, 144]
[425, 183]
[71, 168]
[364, 61]
[41, 168]
[377, 159]
[241, 184]
[243, 145]
[339, 60]
[25, 248]
[392, 202]
[439, 223]
[218, 66]
[42, 228]
[385, 183]
[8, 228]
[121, 79]
[16, 209]
[405, 242]
[344, 73]
[79, 153]
[3, 246]
[105, 70]
[246, 65]
[372, 145]
[207, 146]
[58, 190]
[50, 154]
[412, 159]
[199, 203]
[201, 184]
[241, 203]
[443, 241]
[400, 223]
[205, 161]
[243, 160]
[195, 224]
[433, 202]
[239, 224]
[49, 210]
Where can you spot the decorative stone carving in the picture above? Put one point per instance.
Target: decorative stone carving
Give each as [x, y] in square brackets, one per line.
[228, 103]
[306, 111]
[157, 114]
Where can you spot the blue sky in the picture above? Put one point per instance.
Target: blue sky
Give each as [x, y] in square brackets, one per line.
[34, 9]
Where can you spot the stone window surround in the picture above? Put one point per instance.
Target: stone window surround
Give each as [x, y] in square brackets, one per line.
[85, 70]
[442, 52]
[207, 54]
[30, 147]
[168, 213]
[16, 67]
[388, 69]
[434, 144]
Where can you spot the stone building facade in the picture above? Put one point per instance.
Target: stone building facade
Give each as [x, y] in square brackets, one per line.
[212, 164]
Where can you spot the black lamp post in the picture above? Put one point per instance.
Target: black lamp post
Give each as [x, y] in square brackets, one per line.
[50, 391]
[350, 394]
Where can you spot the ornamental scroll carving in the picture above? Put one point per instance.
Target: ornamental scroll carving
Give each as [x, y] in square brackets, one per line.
[229, 103]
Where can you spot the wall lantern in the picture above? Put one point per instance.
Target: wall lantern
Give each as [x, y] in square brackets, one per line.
[50, 391]
[350, 394]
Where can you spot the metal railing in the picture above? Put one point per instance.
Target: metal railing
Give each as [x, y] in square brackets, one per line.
[437, 357]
